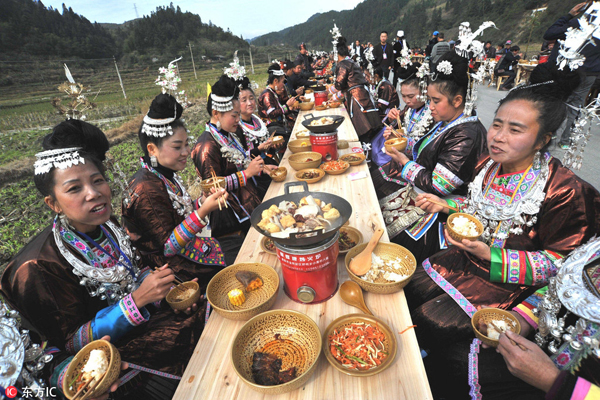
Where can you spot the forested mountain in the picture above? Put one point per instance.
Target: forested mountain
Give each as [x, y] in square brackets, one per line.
[29, 29]
[419, 18]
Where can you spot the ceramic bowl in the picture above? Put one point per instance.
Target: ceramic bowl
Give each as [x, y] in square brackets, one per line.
[458, 236]
[257, 301]
[290, 335]
[388, 252]
[389, 343]
[486, 315]
[79, 361]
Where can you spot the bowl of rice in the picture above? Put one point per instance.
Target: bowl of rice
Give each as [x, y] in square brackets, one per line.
[464, 226]
[489, 323]
[392, 267]
[98, 364]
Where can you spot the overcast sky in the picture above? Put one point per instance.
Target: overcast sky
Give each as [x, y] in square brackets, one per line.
[242, 17]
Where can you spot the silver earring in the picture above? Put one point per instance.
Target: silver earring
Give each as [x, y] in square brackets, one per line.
[153, 161]
[64, 221]
[218, 125]
[537, 160]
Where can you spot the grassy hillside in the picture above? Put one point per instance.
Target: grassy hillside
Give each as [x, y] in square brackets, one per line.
[419, 18]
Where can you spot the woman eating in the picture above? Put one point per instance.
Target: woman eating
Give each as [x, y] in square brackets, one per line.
[274, 105]
[158, 212]
[351, 84]
[417, 121]
[219, 152]
[254, 134]
[534, 212]
[442, 161]
[79, 279]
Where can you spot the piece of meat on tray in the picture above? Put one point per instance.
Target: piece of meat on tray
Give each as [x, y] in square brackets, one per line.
[266, 370]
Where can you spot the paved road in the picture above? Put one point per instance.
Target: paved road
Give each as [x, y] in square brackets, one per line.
[590, 171]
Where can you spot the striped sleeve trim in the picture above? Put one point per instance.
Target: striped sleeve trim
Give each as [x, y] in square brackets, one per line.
[130, 311]
[445, 181]
[80, 338]
[530, 268]
[410, 171]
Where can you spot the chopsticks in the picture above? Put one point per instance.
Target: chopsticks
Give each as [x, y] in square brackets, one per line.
[216, 186]
[396, 133]
[177, 279]
[80, 393]
[398, 118]
[511, 341]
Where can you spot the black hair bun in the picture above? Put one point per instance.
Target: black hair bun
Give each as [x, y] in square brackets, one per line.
[243, 83]
[274, 67]
[563, 85]
[460, 69]
[163, 106]
[409, 72]
[76, 133]
[225, 87]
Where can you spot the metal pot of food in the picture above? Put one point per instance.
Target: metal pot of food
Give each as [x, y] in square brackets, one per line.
[308, 229]
[322, 124]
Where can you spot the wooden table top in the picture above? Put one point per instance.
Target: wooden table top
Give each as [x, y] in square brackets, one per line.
[210, 373]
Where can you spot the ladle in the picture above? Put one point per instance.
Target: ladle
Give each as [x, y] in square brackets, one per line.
[361, 263]
[352, 295]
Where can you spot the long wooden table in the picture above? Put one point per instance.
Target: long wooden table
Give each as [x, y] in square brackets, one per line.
[210, 373]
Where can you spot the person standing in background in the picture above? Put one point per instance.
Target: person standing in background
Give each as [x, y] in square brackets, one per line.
[383, 54]
[432, 42]
[306, 60]
[438, 51]
[399, 44]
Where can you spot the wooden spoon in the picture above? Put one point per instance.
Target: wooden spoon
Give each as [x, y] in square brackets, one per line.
[352, 295]
[361, 264]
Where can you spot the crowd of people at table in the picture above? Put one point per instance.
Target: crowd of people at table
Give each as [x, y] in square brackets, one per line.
[89, 276]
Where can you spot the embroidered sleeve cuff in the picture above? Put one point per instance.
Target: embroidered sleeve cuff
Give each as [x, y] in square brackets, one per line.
[527, 314]
[444, 180]
[387, 103]
[183, 233]
[410, 171]
[58, 375]
[130, 310]
[454, 204]
[496, 266]
[285, 108]
[585, 390]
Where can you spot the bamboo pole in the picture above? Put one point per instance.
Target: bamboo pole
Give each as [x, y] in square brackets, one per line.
[120, 80]
[251, 63]
[192, 55]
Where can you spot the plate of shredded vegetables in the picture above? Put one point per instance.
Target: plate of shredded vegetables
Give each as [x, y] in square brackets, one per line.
[359, 345]
[335, 167]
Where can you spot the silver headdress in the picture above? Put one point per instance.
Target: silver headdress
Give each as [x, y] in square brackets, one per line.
[221, 104]
[336, 34]
[466, 40]
[580, 134]
[277, 72]
[238, 72]
[568, 289]
[159, 127]
[570, 55]
[57, 158]
[468, 47]
[78, 104]
[170, 81]
[576, 39]
[423, 74]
